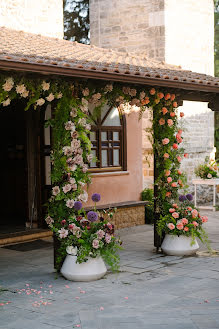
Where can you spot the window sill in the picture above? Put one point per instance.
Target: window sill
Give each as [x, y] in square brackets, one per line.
[110, 173]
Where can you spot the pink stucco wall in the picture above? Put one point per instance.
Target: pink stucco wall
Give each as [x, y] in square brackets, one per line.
[126, 186]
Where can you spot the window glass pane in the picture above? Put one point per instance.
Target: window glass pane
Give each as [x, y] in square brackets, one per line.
[104, 136]
[116, 136]
[104, 158]
[92, 135]
[93, 162]
[116, 157]
[104, 110]
[113, 118]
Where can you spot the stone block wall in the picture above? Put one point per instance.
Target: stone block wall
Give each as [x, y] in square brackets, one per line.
[129, 216]
[43, 17]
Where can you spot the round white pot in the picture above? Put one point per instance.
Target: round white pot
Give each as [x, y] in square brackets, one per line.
[92, 269]
[179, 245]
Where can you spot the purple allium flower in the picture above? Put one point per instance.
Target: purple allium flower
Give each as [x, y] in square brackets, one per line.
[182, 198]
[77, 205]
[92, 216]
[189, 197]
[95, 197]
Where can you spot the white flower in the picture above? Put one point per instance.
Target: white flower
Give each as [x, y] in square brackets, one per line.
[82, 121]
[72, 250]
[55, 190]
[209, 175]
[84, 168]
[107, 238]
[59, 95]
[142, 95]
[108, 87]
[100, 234]
[85, 92]
[89, 157]
[6, 102]
[83, 197]
[70, 203]
[84, 102]
[67, 150]
[25, 93]
[73, 112]
[8, 85]
[67, 188]
[78, 159]
[63, 233]
[69, 126]
[20, 89]
[95, 244]
[45, 85]
[75, 144]
[50, 97]
[40, 101]
[72, 180]
[49, 220]
[73, 167]
[88, 126]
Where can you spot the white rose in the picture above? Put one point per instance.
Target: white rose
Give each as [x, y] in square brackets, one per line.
[6, 102]
[59, 95]
[50, 97]
[209, 175]
[45, 85]
[72, 250]
[20, 89]
[40, 101]
[8, 85]
[25, 93]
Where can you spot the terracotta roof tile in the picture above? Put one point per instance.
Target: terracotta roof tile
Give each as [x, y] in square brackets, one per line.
[20, 46]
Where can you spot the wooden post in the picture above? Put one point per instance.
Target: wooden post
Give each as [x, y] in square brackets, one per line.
[157, 238]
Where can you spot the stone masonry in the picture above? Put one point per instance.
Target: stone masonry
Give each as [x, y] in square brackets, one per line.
[43, 17]
[166, 30]
[128, 217]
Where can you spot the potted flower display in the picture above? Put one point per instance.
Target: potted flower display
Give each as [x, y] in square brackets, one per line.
[87, 240]
[182, 226]
[208, 170]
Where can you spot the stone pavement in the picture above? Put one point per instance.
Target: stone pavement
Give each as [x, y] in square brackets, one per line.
[151, 291]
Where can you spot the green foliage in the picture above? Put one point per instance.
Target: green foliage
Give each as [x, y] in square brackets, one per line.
[147, 194]
[207, 170]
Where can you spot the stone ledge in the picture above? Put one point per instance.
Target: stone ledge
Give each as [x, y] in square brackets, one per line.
[127, 204]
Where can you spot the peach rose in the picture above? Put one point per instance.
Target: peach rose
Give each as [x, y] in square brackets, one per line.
[194, 213]
[175, 104]
[166, 156]
[170, 122]
[167, 172]
[179, 182]
[167, 96]
[179, 226]
[189, 208]
[195, 223]
[168, 194]
[161, 121]
[164, 110]
[172, 97]
[186, 229]
[160, 95]
[171, 226]
[179, 159]
[204, 219]
[181, 114]
[174, 184]
[186, 155]
[172, 114]
[179, 172]
[171, 210]
[169, 179]
[179, 140]
[175, 215]
[152, 91]
[184, 221]
[165, 141]
[175, 146]
[175, 205]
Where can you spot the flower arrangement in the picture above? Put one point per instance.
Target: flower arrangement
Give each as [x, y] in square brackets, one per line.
[184, 219]
[88, 235]
[207, 170]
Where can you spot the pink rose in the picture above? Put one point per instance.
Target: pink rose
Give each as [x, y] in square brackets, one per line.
[180, 131]
[184, 221]
[175, 146]
[63, 233]
[195, 223]
[175, 104]
[164, 110]
[169, 179]
[107, 238]
[172, 210]
[172, 114]
[171, 226]
[186, 229]
[175, 215]
[178, 136]
[175, 205]
[170, 122]
[186, 155]
[55, 190]
[181, 114]
[179, 172]
[204, 219]
[179, 226]
[165, 141]
[63, 222]
[166, 155]
[100, 234]
[194, 213]
[174, 184]
[179, 140]
[167, 172]
[179, 159]
[67, 188]
[189, 208]
[179, 182]
[161, 122]
[95, 244]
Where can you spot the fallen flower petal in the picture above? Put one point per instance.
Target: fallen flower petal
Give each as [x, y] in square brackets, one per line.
[101, 308]
[66, 286]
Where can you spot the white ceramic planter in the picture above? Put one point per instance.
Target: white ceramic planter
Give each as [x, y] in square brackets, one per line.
[179, 245]
[92, 269]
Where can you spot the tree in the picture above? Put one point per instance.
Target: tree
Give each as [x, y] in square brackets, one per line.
[76, 20]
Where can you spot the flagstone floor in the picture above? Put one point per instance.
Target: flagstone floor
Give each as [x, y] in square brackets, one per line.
[151, 291]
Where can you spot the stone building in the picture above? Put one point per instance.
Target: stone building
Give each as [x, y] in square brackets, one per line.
[176, 32]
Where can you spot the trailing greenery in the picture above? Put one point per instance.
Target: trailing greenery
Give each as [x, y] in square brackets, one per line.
[207, 170]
